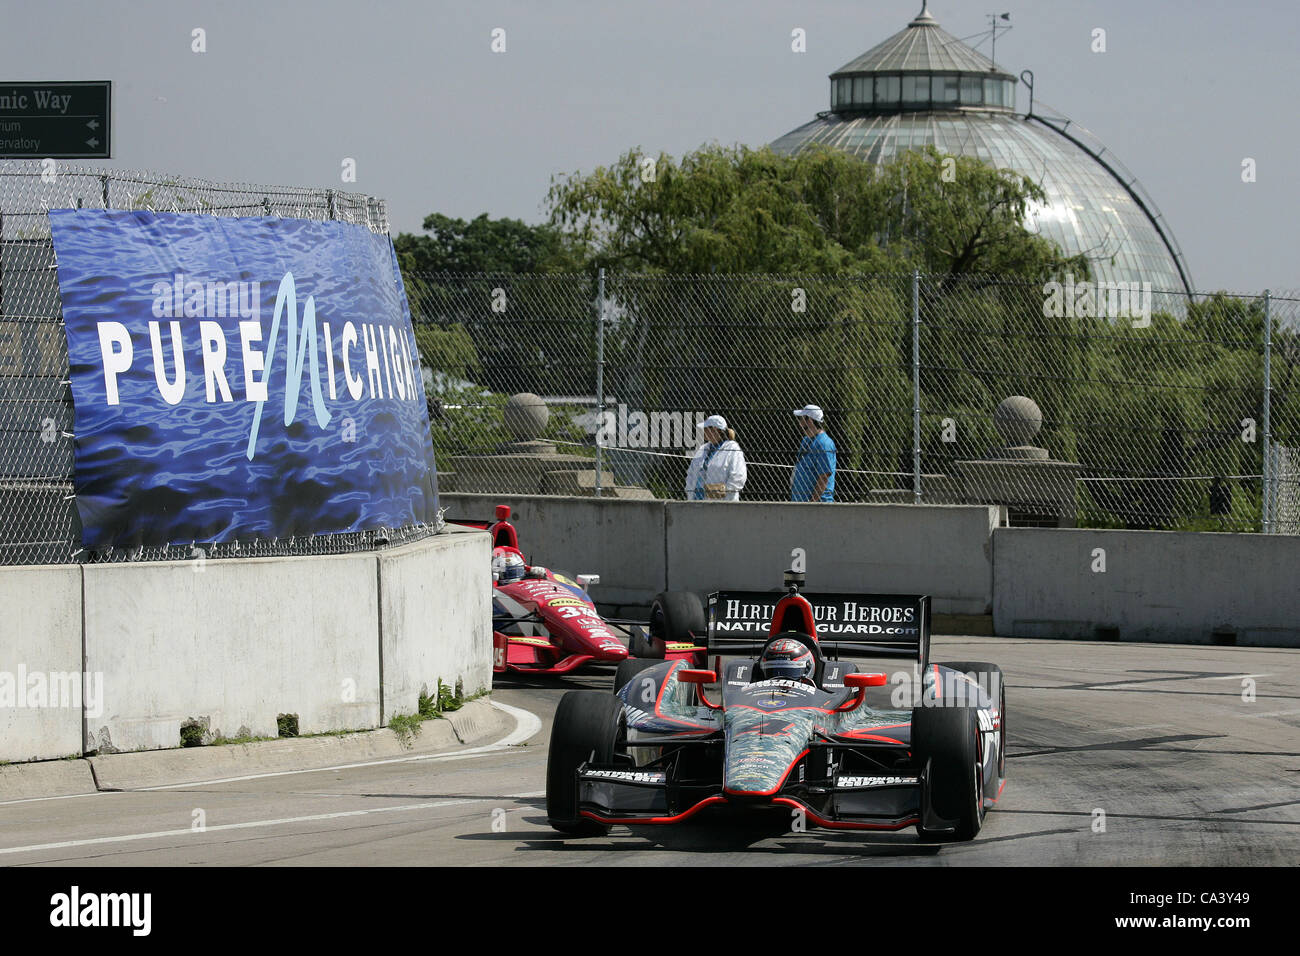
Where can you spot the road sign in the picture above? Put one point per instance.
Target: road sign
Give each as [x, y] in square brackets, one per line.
[55, 120]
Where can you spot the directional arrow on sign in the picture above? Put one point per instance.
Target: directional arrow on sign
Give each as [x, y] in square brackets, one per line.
[79, 128]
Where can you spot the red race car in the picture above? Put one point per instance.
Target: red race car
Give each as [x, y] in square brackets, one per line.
[544, 622]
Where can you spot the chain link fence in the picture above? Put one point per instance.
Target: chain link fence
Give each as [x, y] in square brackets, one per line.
[38, 515]
[1145, 409]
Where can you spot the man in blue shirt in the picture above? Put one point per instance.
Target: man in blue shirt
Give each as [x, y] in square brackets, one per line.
[814, 473]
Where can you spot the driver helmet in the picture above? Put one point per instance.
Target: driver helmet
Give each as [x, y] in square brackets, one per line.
[788, 659]
[507, 565]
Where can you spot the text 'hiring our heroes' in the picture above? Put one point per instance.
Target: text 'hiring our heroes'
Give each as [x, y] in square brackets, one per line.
[369, 354]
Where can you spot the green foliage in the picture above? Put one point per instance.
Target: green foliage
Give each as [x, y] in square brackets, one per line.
[484, 245]
[1151, 406]
[734, 209]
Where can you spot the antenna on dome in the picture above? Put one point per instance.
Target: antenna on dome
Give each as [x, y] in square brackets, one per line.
[993, 23]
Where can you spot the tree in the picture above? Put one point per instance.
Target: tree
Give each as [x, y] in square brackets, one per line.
[734, 209]
[484, 245]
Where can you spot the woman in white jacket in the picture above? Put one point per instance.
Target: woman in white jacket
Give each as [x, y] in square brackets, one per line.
[717, 471]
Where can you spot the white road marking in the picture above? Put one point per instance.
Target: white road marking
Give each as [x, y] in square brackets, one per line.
[254, 824]
[1235, 676]
[527, 725]
[1273, 713]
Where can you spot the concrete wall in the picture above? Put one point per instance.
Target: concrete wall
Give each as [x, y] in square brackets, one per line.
[40, 637]
[234, 643]
[938, 550]
[1157, 585]
[621, 540]
[435, 618]
[640, 548]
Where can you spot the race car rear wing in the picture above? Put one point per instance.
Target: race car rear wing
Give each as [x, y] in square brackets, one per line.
[848, 625]
[502, 531]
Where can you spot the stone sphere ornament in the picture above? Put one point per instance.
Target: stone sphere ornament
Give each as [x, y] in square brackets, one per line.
[526, 416]
[1018, 419]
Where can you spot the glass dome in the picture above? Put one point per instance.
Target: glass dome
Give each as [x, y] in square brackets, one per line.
[923, 87]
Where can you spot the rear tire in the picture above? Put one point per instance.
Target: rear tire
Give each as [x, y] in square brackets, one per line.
[676, 617]
[586, 728]
[948, 737]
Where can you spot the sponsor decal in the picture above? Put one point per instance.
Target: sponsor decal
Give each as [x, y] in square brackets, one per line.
[627, 776]
[782, 682]
[877, 781]
[566, 602]
[222, 365]
[823, 630]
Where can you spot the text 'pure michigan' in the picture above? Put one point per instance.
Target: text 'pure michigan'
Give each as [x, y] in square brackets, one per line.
[376, 360]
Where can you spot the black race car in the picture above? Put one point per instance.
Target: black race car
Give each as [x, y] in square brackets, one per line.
[840, 748]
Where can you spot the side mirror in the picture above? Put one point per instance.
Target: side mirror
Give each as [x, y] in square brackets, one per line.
[696, 677]
[865, 680]
[860, 683]
[587, 580]
[700, 678]
[503, 512]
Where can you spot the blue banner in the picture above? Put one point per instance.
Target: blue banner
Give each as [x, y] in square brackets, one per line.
[236, 378]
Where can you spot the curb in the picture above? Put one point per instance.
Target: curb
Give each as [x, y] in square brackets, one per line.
[46, 778]
[474, 722]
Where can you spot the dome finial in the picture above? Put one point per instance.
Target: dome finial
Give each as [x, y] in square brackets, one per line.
[924, 18]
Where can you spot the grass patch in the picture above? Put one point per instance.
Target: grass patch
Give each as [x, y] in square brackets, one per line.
[406, 725]
[445, 699]
[242, 739]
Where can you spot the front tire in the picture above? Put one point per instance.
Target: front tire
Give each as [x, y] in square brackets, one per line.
[676, 617]
[586, 729]
[989, 676]
[949, 738]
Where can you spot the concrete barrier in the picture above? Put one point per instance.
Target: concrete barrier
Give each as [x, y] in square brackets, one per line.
[1166, 586]
[41, 673]
[621, 540]
[232, 643]
[938, 550]
[435, 618]
[640, 548]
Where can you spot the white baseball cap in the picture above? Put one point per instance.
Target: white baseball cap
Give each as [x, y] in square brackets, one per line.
[713, 421]
[809, 411]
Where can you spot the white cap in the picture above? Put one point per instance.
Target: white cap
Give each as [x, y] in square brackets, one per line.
[713, 421]
[809, 411]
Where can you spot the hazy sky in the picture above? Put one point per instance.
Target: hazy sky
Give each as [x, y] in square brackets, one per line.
[438, 122]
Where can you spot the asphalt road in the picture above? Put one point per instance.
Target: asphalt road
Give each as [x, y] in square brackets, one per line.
[1158, 738]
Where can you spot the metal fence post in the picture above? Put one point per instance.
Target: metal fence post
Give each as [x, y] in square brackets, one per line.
[916, 387]
[600, 375]
[1267, 514]
[103, 188]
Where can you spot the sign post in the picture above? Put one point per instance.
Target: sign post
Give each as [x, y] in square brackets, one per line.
[55, 120]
